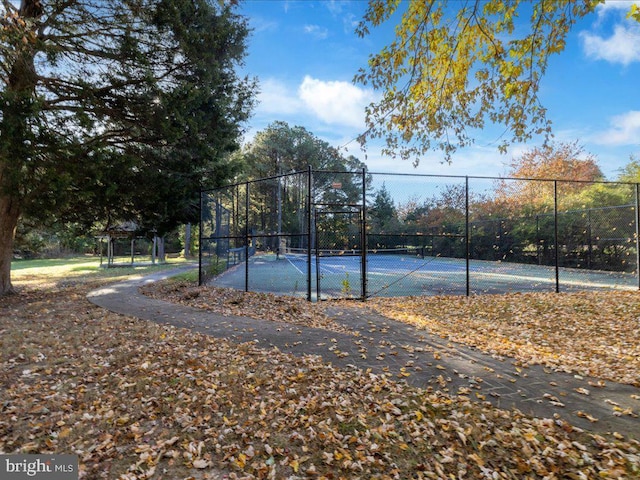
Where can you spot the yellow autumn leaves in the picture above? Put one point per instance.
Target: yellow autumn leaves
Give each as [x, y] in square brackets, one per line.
[453, 66]
[589, 333]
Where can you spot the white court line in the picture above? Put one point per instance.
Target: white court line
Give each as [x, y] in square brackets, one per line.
[509, 279]
[294, 266]
[459, 272]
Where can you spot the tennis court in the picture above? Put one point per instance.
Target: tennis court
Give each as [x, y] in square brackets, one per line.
[339, 275]
[460, 241]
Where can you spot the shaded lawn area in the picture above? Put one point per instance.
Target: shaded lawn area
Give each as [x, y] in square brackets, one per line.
[138, 400]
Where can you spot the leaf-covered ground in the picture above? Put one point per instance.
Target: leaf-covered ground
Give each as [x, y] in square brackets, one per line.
[137, 400]
[227, 301]
[590, 333]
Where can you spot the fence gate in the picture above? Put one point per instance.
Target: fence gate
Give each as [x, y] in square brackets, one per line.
[339, 255]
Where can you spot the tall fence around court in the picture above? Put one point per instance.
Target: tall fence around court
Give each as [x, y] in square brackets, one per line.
[334, 234]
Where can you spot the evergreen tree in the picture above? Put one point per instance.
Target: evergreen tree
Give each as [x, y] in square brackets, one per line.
[383, 211]
[115, 110]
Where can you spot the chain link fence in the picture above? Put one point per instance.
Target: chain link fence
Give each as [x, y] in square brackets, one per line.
[329, 234]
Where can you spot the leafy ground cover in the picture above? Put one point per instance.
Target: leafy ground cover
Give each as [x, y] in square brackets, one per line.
[258, 305]
[138, 400]
[589, 333]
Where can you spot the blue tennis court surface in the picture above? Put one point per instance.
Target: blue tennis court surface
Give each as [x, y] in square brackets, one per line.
[339, 276]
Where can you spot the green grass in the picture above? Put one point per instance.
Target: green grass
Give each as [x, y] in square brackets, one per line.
[79, 268]
[47, 263]
[190, 276]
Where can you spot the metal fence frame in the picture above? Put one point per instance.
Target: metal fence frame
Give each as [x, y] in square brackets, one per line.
[245, 237]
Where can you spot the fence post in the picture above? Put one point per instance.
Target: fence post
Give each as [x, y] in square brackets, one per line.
[466, 236]
[246, 237]
[538, 252]
[590, 241]
[317, 254]
[363, 237]
[555, 233]
[200, 242]
[309, 187]
[638, 233]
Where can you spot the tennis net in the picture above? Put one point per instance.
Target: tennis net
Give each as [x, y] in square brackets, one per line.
[353, 252]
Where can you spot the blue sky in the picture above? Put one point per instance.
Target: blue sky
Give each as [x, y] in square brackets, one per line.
[305, 55]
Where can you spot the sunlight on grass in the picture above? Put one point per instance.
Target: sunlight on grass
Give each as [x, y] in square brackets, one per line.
[78, 269]
[48, 263]
[189, 277]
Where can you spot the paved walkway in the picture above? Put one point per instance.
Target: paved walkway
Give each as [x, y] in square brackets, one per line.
[384, 345]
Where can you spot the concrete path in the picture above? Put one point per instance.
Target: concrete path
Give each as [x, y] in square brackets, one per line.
[386, 346]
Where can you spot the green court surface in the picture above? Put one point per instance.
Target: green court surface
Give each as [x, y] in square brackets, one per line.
[340, 276]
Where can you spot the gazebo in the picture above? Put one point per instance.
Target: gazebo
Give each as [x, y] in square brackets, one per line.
[127, 233]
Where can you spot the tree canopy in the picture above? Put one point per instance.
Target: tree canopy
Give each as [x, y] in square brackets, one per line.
[281, 148]
[566, 162]
[116, 110]
[453, 67]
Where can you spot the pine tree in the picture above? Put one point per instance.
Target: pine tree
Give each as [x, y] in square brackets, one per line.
[115, 109]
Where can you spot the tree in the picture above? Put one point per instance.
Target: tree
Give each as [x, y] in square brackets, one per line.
[383, 211]
[279, 199]
[631, 171]
[566, 162]
[281, 150]
[115, 110]
[454, 66]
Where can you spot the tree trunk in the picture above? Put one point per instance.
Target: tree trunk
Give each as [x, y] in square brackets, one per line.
[187, 240]
[9, 214]
[162, 257]
[16, 110]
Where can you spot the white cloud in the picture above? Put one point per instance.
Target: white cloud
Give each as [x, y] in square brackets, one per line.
[622, 47]
[624, 130]
[336, 102]
[335, 7]
[276, 99]
[614, 5]
[260, 24]
[340, 9]
[316, 31]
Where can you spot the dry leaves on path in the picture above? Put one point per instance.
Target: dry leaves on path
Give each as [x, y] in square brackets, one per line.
[136, 400]
[590, 333]
[261, 306]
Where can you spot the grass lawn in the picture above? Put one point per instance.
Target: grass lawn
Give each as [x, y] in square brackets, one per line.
[136, 400]
[84, 269]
